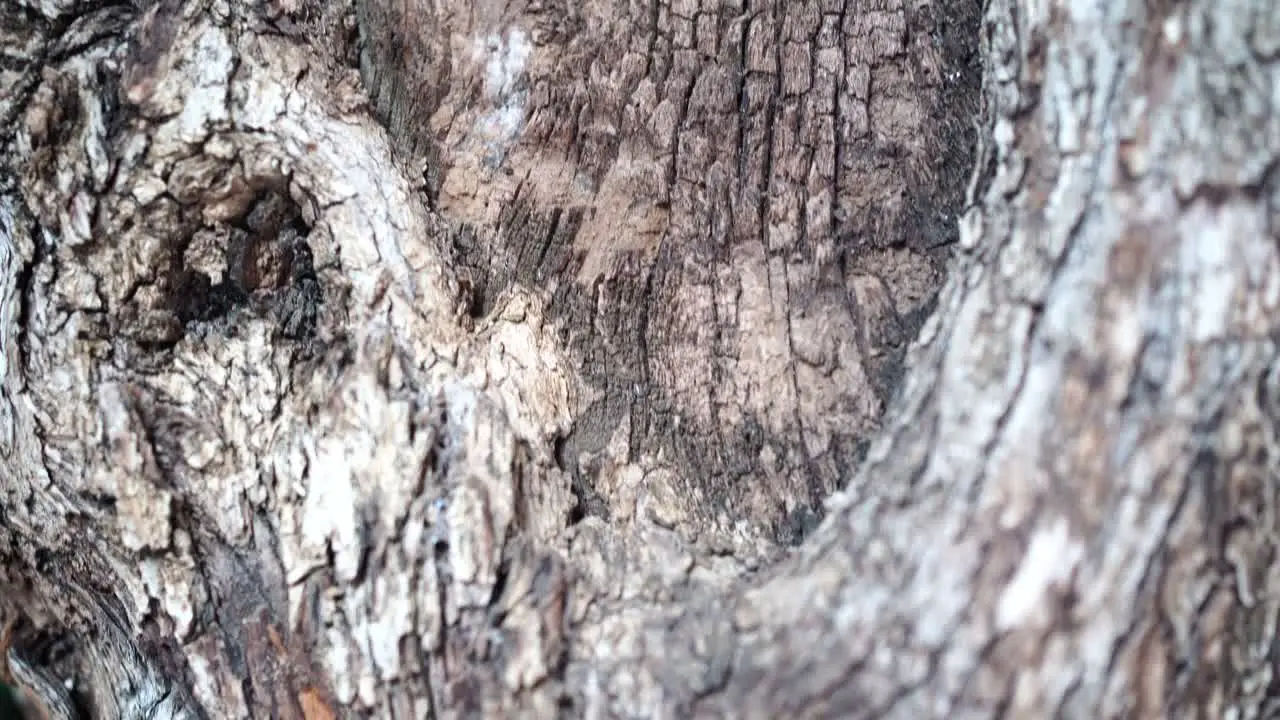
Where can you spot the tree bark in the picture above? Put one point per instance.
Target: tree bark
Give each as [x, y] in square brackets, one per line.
[744, 358]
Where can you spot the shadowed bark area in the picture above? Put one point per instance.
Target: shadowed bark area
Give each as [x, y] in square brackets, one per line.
[471, 359]
[738, 213]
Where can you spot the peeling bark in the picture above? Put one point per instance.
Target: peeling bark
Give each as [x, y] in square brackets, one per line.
[582, 359]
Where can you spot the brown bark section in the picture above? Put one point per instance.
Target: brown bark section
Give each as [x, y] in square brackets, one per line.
[738, 212]
[509, 414]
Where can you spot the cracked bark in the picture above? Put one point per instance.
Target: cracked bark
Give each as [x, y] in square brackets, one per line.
[741, 358]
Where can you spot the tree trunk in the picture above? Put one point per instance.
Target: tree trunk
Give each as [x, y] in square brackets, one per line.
[745, 358]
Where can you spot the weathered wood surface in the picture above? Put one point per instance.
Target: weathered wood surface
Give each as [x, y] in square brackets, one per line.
[409, 360]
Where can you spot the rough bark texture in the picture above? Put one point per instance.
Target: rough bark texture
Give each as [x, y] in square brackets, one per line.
[477, 359]
[735, 212]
